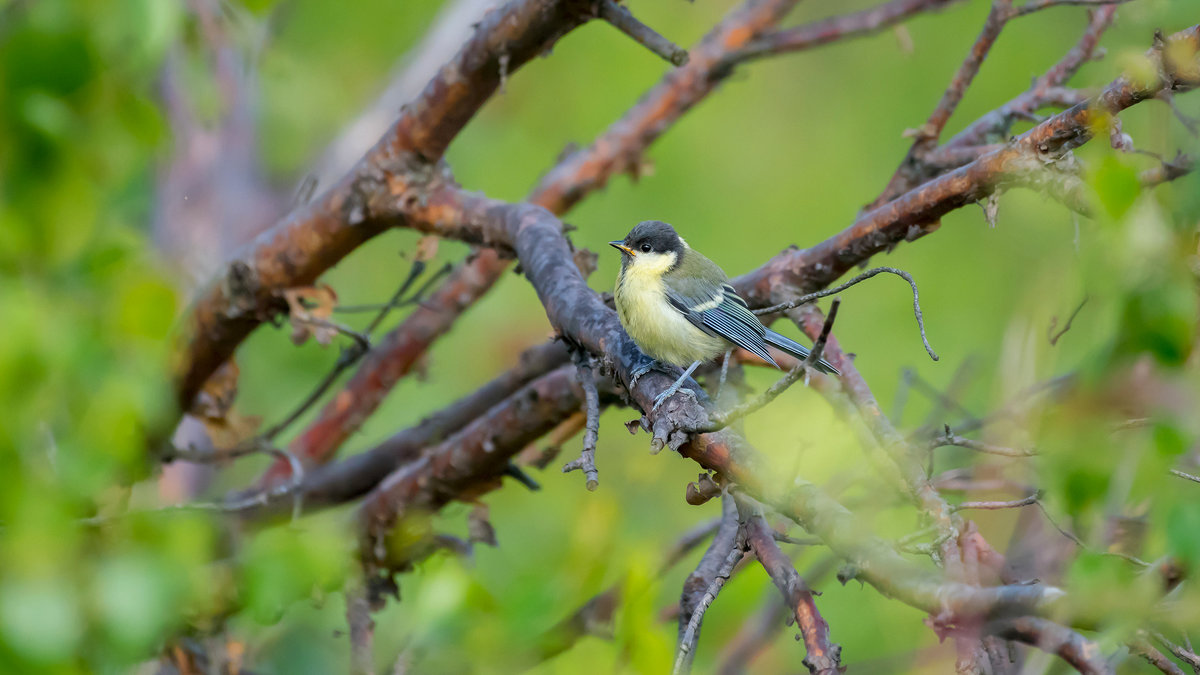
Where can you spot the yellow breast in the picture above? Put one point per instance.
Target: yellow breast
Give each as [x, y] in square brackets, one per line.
[658, 328]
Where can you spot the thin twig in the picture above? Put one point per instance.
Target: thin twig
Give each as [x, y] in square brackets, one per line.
[1184, 654]
[397, 302]
[1051, 335]
[1080, 543]
[362, 632]
[805, 299]
[1181, 474]
[949, 438]
[587, 456]
[624, 21]
[1144, 649]
[824, 31]
[724, 374]
[1038, 5]
[996, 506]
[720, 419]
[347, 358]
[818, 349]
[415, 271]
[687, 645]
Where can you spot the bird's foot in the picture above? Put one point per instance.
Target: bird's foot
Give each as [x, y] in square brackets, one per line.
[645, 365]
[676, 388]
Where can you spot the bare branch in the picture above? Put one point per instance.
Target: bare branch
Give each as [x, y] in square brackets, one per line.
[587, 457]
[950, 438]
[624, 21]
[362, 632]
[1038, 5]
[1184, 654]
[932, 129]
[823, 656]
[1188, 476]
[916, 213]
[1082, 654]
[1144, 649]
[995, 506]
[319, 234]
[1053, 336]
[810, 297]
[720, 420]
[703, 585]
[817, 33]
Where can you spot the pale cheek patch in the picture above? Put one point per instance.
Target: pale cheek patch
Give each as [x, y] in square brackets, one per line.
[650, 265]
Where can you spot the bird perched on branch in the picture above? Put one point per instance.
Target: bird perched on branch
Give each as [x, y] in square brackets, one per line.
[679, 308]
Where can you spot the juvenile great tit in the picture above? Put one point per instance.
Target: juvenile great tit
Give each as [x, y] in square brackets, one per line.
[679, 308]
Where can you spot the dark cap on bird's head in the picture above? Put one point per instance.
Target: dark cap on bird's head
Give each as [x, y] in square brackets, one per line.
[651, 236]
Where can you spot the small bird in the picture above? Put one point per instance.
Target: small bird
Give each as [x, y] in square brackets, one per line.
[679, 308]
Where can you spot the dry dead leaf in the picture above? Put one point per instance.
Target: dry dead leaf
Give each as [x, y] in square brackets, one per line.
[309, 309]
[427, 248]
[586, 261]
[229, 431]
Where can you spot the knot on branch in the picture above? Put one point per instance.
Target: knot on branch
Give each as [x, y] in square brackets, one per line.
[240, 286]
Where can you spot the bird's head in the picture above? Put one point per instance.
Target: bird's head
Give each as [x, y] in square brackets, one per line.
[652, 245]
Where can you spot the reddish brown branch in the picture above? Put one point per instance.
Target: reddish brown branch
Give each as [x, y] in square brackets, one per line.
[466, 464]
[312, 239]
[577, 312]
[997, 17]
[823, 656]
[924, 161]
[577, 175]
[917, 212]
[835, 28]
[389, 361]
[1047, 90]
[620, 148]
[1082, 654]
[1147, 651]
[357, 475]
[705, 582]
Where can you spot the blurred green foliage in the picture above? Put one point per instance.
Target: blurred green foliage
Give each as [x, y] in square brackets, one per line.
[786, 152]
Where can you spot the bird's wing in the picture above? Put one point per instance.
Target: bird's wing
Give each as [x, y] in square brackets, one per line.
[717, 309]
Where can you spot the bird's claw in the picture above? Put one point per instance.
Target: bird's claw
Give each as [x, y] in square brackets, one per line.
[658, 400]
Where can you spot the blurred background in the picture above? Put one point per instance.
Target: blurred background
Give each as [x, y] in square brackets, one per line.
[141, 142]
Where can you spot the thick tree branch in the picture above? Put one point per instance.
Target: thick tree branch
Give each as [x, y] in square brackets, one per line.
[313, 238]
[1047, 90]
[705, 582]
[389, 361]
[467, 463]
[576, 175]
[917, 212]
[1082, 654]
[823, 655]
[353, 477]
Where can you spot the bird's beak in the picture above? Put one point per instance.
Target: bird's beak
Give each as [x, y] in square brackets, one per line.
[623, 248]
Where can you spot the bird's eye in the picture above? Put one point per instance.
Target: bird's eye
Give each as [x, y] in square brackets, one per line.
[645, 248]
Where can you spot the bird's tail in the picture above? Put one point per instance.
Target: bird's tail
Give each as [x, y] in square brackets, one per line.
[796, 349]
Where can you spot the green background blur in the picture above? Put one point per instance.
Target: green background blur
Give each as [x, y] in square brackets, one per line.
[784, 153]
